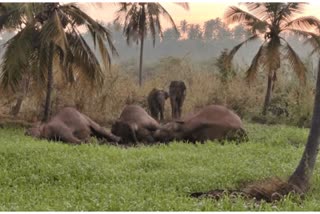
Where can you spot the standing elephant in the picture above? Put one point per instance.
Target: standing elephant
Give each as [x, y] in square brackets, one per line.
[135, 125]
[213, 122]
[177, 92]
[70, 126]
[156, 102]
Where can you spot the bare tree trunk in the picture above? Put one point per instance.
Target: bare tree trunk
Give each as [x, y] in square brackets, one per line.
[302, 175]
[24, 85]
[141, 60]
[267, 98]
[16, 108]
[49, 85]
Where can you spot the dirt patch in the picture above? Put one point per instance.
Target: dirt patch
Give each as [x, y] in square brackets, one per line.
[269, 190]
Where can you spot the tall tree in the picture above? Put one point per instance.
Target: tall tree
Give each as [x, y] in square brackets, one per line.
[195, 32]
[49, 31]
[184, 26]
[224, 68]
[139, 18]
[270, 20]
[303, 173]
[171, 34]
[208, 29]
[239, 32]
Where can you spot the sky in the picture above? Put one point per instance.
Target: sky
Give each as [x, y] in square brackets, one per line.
[198, 13]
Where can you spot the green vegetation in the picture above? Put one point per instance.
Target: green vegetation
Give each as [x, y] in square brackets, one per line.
[39, 175]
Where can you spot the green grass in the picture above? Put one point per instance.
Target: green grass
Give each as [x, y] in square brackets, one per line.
[44, 176]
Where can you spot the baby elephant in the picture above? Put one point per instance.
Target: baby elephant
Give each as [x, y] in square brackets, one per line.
[70, 126]
[135, 125]
[156, 101]
[177, 91]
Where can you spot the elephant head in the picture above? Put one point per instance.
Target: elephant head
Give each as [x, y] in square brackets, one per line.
[170, 131]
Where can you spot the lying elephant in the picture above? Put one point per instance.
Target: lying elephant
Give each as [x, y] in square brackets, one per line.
[213, 122]
[70, 126]
[135, 125]
[156, 102]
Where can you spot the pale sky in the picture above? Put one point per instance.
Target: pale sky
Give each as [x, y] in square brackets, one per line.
[198, 13]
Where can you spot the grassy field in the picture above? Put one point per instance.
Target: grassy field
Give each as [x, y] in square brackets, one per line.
[43, 176]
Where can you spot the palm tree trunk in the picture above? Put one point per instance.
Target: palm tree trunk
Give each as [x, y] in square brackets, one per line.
[23, 90]
[141, 60]
[49, 85]
[16, 108]
[142, 33]
[268, 95]
[302, 175]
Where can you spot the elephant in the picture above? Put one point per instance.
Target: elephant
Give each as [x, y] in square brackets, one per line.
[177, 93]
[156, 102]
[70, 126]
[135, 125]
[213, 122]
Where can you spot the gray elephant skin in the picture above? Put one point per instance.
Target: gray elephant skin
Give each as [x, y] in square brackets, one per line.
[177, 92]
[135, 125]
[213, 122]
[70, 126]
[156, 103]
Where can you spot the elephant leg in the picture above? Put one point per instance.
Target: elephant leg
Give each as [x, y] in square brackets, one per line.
[161, 112]
[68, 137]
[154, 112]
[177, 110]
[173, 106]
[60, 132]
[101, 133]
[180, 104]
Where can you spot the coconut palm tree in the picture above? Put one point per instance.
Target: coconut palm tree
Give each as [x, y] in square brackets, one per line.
[269, 21]
[139, 18]
[48, 32]
[302, 175]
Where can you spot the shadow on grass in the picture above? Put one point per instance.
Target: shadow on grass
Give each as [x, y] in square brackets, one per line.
[269, 190]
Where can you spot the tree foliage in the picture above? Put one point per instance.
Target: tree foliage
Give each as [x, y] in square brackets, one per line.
[39, 24]
[270, 21]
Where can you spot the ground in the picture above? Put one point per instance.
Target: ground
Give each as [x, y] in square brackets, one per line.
[44, 176]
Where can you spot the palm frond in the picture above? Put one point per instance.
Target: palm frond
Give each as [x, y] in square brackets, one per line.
[152, 24]
[11, 16]
[166, 15]
[310, 38]
[236, 15]
[137, 19]
[272, 55]
[84, 58]
[16, 58]
[289, 10]
[184, 5]
[253, 69]
[305, 23]
[296, 63]
[237, 47]
[98, 33]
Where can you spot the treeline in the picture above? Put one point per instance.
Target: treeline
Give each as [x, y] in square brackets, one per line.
[201, 43]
